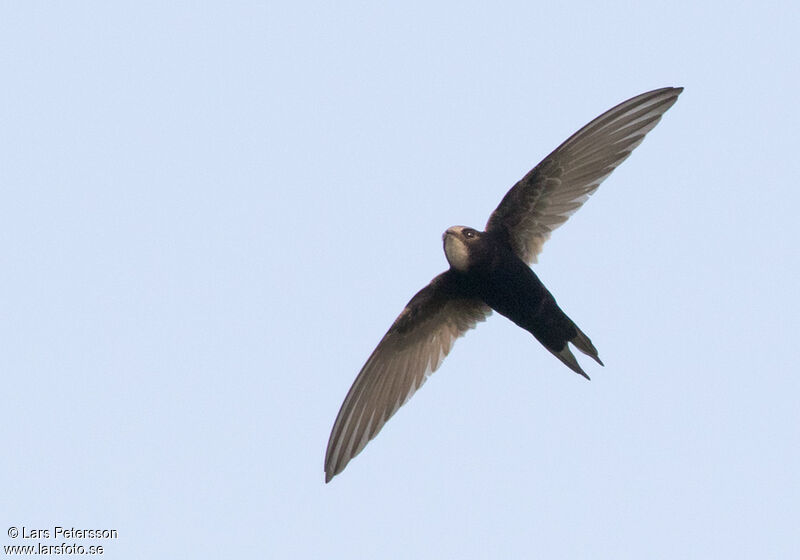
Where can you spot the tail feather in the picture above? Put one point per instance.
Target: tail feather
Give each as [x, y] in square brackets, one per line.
[582, 343]
[566, 356]
[551, 326]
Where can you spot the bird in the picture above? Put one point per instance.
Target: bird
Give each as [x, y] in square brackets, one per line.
[489, 271]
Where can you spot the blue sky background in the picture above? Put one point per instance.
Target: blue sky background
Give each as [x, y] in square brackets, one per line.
[210, 214]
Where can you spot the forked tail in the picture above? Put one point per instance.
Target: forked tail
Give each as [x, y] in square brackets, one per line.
[582, 343]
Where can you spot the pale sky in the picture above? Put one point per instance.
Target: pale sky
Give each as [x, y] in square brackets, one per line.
[210, 215]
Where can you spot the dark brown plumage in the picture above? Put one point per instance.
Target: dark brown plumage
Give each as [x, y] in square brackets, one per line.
[489, 271]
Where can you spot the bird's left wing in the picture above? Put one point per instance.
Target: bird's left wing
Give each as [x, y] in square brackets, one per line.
[544, 198]
[411, 350]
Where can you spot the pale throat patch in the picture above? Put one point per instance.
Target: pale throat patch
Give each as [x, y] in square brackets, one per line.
[456, 252]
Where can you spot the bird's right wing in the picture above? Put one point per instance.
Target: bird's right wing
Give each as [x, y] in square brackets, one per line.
[411, 350]
[544, 198]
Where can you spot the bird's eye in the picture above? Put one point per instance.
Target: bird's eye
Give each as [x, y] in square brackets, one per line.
[469, 233]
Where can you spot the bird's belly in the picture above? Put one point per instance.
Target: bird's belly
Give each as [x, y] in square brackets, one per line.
[519, 298]
[524, 300]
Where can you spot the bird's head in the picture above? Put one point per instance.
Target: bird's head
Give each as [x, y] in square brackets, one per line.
[460, 244]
